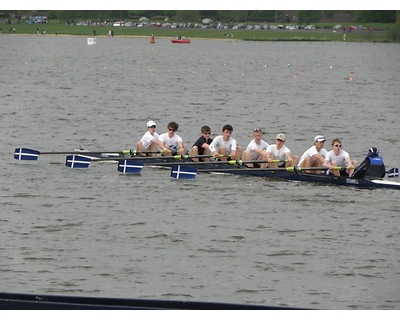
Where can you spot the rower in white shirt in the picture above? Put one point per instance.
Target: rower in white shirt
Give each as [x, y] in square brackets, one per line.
[256, 150]
[224, 147]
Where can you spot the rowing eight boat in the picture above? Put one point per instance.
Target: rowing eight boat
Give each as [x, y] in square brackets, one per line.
[184, 168]
[17, 301]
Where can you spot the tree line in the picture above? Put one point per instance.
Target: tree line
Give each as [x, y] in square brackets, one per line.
[224, 16]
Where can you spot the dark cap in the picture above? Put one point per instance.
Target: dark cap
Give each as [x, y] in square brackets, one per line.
[372, 152]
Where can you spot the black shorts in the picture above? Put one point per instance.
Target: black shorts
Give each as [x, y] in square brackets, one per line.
[343, 173]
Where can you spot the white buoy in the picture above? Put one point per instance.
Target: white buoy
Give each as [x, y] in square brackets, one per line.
[91, 41]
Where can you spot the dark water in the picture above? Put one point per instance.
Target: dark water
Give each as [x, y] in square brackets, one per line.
[219, 237]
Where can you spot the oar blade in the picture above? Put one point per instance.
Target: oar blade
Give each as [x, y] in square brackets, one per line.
[129, 166]
[77, 162]
[26, 154]
[393, 173]
[183, 172]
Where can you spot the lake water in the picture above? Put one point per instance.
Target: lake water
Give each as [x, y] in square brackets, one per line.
[217, 238]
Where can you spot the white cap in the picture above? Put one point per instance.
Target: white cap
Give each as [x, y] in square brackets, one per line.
[280, 136]
[151, 123]
[319, 138]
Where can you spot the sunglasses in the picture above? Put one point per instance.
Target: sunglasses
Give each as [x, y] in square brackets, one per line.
[152, 127]
[206, 132]
[338, 145]
[170, 129]
[257, 130]
[280, 140]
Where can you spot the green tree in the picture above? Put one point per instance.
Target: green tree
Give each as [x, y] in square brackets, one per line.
[308, 16]
[187, 16]
[387, 16]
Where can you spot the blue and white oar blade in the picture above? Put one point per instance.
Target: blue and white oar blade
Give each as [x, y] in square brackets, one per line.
[183, 172]
[77, 162]
[392, 173]
[130, 166]
[26, 154]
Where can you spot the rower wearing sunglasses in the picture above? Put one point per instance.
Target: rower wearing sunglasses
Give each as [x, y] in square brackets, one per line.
[149, 141]
[202, 145]
[337, 157]
[170, 142]
[279, 151]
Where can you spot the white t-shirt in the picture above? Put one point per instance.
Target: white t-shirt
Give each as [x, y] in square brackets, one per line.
[312, 151]
[171, 143]
[253, 145]
[278, 154]
[148, 138]
[218, 142]
[340, 159]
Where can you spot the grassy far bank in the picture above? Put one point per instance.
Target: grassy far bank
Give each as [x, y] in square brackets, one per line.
[252, 35]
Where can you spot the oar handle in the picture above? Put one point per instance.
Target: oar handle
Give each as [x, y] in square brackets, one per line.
[134, 152]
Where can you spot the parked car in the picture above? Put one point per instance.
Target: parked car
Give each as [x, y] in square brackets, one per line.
[310, 27]
[338, 27]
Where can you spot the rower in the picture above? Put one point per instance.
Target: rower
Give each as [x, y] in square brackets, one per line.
[149, 141]
[225, 147]
[256, 150]
[170, 142]
[372, 166]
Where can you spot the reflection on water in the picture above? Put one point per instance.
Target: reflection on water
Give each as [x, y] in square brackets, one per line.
[219, 237]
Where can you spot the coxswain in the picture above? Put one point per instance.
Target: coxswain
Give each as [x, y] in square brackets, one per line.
[372, 166]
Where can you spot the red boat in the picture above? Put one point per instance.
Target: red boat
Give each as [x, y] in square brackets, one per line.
[180, 40]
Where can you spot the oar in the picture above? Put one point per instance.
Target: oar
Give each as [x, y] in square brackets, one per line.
[288, 169]
[77, 161]
[81, 162]
[393, 173]
[183, 172]
[145, 158]
[30, 154]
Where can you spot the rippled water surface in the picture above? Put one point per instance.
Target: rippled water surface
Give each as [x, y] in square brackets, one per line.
[216, 238]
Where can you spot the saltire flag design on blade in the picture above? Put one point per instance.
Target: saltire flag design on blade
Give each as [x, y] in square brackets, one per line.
[130, 166]
[26, 154]
[392, 173]
[76, 161]
[179, 172]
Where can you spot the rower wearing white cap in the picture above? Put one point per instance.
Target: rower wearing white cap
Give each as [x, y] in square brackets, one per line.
[278, 151]
[314, 156]
[149, 141]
